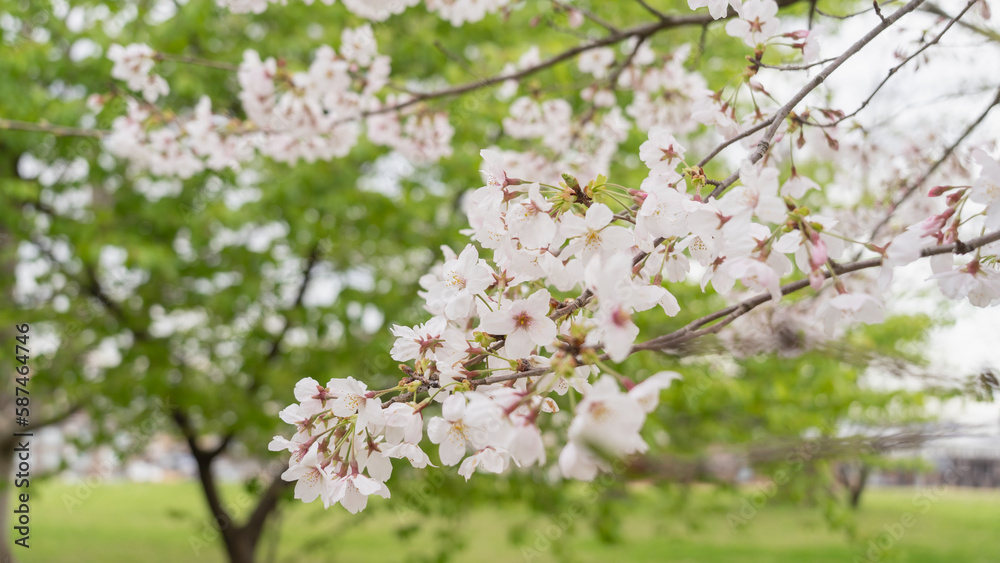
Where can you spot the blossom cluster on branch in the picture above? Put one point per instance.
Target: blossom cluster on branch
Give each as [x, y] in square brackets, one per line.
[315, 114]
[499, 345]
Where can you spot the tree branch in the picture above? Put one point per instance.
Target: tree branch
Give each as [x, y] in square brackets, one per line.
[912, 188]
[694, 330]
[43, 127]
[731, 313]
[640, 31]
[779, 116]
[896, 68]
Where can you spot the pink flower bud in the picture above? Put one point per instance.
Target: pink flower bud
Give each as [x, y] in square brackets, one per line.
[817, 254]
[816, 279]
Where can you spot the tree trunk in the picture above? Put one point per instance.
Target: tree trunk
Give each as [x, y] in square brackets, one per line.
[240, 541]
[858, 486]
[853, 476]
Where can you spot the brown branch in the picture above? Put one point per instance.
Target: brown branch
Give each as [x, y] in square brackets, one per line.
[728, 142]
[651, 9]
[725, 316]
[587, 14]
[987, 33]
[56, 418]
[722, 463]
[639, 31]
[731, 313]
[307, 272]
[913, 187]
[757, 62]
[896, 68]
[203, 460]
[43, 127]
[851, 15]
[783, 112]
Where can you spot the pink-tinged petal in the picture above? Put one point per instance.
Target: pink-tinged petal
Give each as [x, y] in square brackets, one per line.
[347, 405]
[575, 463]
[647, 393]
[617, 238]
[309, 486]
[279, 443]
[353, 500]
[542, 331]
[572, 226]
[305, 389]
[598, 216]
[497, 322]
[366, 485]
[453, 407]
[452, 448]
[538, 302]
[669, 303]
[437, 430]
[519, 344]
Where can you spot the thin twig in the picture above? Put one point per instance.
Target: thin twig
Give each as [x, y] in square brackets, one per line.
[896, 68]
[640, 31]
[783, 112]
[652, 10]
[43, 127]
[731, 313]
[588, 14]
[913, 187]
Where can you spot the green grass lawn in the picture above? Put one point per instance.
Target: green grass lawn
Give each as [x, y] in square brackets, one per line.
[167, 523]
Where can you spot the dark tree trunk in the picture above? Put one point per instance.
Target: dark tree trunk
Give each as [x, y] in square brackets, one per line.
[240, 540]
[853, 476]
[859, 486]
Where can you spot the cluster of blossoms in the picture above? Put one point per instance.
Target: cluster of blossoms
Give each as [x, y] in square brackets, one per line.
[501, 346]
[316, 114]
[134, 65]
[967, 207]
[457, 12]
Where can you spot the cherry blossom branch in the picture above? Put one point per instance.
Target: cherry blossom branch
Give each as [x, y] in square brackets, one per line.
[612, 83]
[652, 10]
[722, 146]
[861, 12]
[639, 31]
[912, 188]
[587, 14]
[694, 330]
[896, 68]
[779, 116]
[987, 33]
[58, 130]
[757, 62]
[731, 313]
